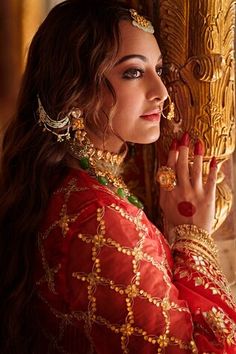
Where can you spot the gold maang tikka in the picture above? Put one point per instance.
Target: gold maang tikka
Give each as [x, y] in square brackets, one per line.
[141, 22]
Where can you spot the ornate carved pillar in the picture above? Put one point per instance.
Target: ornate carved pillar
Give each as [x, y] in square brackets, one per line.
[197, 40]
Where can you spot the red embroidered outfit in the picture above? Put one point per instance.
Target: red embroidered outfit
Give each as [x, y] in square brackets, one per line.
[107, 283]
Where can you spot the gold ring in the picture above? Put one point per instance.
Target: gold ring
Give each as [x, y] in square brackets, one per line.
[167, 178]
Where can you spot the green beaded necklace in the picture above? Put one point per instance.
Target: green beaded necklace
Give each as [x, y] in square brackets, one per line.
[106, 178]
[104, 165]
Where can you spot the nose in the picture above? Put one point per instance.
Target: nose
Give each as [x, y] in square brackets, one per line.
[157, 90]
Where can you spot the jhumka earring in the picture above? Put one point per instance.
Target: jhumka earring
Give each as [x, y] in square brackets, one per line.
[170, 115]
[77, 124]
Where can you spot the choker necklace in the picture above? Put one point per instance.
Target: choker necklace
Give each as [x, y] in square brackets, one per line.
[103, 165]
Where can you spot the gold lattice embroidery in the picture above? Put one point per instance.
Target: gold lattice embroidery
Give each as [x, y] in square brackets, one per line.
[131, 291]
[205, 274]
[64, 219]
[221, 325]
[50, 272]
[65, 320]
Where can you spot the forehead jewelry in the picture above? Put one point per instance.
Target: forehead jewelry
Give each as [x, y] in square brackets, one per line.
[141, 22]
[50, 124]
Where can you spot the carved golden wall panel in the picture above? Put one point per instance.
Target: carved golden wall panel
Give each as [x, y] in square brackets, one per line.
[198, 46]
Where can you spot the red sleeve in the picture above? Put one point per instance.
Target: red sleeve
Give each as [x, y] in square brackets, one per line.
[104, 281]
[201, 283]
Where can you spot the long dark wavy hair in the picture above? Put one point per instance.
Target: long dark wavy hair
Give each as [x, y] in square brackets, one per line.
[67, 61]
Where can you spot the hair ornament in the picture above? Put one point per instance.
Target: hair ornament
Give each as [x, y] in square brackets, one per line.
[50, 124]
[141, 22]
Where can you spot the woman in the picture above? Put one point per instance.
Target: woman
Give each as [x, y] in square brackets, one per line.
[82, 268]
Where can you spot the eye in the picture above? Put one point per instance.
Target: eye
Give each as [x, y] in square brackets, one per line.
[159, 71]
[133, 74]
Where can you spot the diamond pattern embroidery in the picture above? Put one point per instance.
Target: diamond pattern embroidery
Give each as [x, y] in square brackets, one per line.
[117, 270]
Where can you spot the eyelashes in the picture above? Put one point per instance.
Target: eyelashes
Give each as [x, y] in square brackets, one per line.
[133, 73]
[137, 73]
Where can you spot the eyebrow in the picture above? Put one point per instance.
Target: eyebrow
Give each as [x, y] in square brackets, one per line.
[131, 56]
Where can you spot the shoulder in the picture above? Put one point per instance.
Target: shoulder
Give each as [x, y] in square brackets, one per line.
[81, 211]
[85, 219]
[80, 198]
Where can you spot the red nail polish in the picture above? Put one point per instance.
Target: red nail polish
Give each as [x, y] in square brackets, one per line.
[174, 145]
[185, 139]
[199, 148]
[213, 163]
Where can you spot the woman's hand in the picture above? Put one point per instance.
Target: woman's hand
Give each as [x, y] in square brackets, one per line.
[191, 201]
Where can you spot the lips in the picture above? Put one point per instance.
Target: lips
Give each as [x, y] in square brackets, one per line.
[152, 116]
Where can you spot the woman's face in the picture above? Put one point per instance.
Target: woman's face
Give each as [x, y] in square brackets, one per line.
[140, 92]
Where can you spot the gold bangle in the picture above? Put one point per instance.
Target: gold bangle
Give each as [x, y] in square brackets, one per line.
[189, 230]
[210, 249]
[188, 233]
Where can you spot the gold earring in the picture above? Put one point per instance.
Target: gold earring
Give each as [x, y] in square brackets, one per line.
[171, 112]
[77, 120]
[77, 125]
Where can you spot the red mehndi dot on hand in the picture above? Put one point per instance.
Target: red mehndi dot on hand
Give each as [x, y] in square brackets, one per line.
[186, 209]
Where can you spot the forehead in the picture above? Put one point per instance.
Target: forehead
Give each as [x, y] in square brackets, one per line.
[136, 41]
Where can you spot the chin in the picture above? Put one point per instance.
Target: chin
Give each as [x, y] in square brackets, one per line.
[151, 138]
[147, 139]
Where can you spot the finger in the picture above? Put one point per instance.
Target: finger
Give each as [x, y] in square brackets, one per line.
[182, 167]
[196, 171]
[173, 154]
[212, 177]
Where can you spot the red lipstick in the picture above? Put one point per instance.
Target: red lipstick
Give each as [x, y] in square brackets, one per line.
[153, 116]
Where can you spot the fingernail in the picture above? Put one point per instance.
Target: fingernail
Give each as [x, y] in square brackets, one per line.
[174, 145]
[199, 148]
[185, 139]
[213, 163]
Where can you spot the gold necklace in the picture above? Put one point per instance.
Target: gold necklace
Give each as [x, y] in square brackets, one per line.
[104, 165]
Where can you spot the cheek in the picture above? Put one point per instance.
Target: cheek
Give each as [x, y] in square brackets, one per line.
[125, 110]
[128, 104]
[107, 102]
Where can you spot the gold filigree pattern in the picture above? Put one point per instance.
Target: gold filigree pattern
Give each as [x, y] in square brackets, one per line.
[132, 290]
[49, 271]
[200, 79]
[221, 325]
[203, 273]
